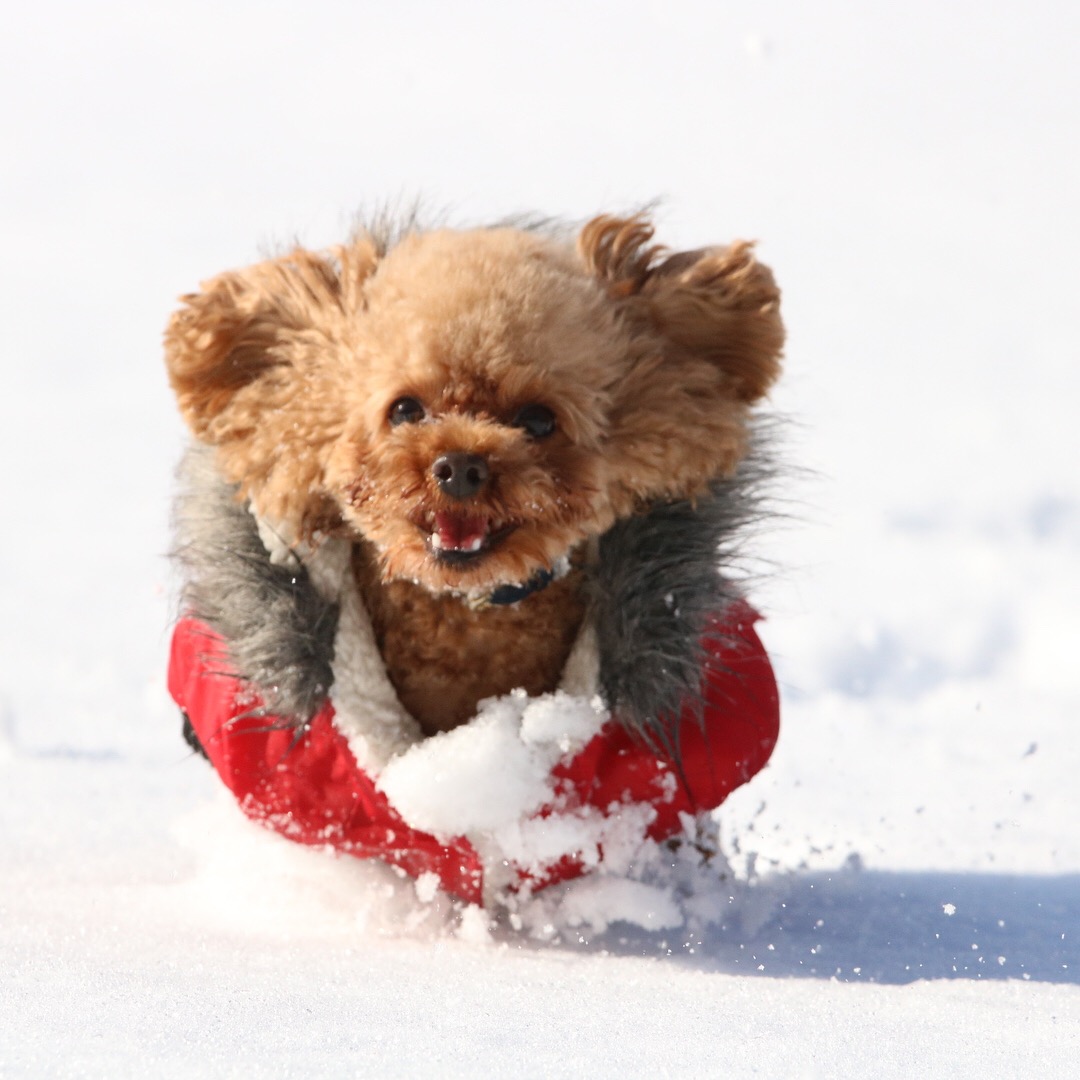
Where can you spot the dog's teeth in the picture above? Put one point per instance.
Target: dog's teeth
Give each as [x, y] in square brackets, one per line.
[436, 540]
[475, 544]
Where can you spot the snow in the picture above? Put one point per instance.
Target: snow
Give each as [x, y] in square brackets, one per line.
[899, 893]
[494, 770]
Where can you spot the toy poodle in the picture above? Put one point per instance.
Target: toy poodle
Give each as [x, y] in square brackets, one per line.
[510, 459]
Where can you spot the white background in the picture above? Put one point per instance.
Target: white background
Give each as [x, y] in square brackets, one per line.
[906, 896]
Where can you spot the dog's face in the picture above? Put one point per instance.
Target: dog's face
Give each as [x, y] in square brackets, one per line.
[475, 404]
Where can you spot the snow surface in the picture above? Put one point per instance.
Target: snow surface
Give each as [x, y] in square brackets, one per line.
[899, 893]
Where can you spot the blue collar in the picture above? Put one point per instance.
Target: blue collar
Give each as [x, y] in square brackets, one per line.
[511, 594]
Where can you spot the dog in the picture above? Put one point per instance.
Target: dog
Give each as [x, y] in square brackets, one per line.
[436, 467]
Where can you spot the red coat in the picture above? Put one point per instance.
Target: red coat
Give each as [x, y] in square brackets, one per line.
[311, 789]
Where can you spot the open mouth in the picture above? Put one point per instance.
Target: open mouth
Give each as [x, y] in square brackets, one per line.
[459, 539]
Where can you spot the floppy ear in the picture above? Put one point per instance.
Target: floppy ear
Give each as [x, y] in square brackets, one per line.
[706, 344]
[247, 357]
[718, 304]
[234, 340]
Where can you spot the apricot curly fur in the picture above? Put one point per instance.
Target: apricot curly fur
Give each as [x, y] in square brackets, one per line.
[650, 362]
[421, 638]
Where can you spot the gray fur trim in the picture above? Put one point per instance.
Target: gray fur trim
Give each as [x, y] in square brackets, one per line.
[659, 581]
[278, 629]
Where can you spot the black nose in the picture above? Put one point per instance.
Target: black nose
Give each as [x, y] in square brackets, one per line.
[460, 475]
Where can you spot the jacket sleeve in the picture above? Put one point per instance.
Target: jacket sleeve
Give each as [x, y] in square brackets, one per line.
[720, 742]
[302, 782]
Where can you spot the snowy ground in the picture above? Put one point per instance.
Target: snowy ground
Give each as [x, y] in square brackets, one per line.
[904, 894]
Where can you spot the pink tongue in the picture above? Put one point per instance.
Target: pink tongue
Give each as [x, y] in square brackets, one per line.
[460, 532]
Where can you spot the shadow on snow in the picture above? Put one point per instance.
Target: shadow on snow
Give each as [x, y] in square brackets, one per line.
[858, 925]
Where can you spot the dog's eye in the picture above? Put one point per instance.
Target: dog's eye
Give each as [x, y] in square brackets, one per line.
[538, 421]
[406, 410]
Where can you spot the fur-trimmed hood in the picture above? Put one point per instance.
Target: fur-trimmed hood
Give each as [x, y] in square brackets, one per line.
[289, 614]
